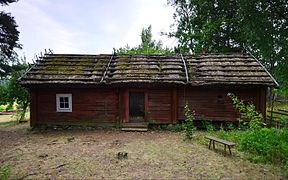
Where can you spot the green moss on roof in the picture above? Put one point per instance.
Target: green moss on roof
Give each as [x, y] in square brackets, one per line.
[100, 64]
[123, 64]
[203, 69]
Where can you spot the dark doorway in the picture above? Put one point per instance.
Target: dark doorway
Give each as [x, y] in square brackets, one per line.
[136, 107]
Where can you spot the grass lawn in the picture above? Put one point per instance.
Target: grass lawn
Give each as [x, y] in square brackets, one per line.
[10, 119]
[7, 118]
[78, 154]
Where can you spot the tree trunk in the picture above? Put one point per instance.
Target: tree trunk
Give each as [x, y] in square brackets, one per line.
[22, 116]
[270, 93]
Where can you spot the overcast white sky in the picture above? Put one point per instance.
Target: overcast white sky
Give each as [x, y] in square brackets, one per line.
[90, 26]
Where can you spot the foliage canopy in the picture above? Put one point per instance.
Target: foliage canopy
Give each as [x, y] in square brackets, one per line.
[147, 46]
[9, 37]
[259, 26]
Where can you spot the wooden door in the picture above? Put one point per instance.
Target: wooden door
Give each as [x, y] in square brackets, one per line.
[136, 107]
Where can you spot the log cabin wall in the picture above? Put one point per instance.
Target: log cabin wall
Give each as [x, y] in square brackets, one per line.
[214, 104]
[89, 107]
[160, 104]
[93, 106]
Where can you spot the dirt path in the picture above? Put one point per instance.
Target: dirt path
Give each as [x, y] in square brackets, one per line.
[75, 154]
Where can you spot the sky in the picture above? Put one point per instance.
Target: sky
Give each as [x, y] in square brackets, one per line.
[87, 27]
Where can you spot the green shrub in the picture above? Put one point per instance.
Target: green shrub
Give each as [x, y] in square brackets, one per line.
[229, 126]
[248, 113]
[261, 145]
[188, 124]
[2, 107]
[9, 107]
[175, 127]
[271, 144]
[207, 125]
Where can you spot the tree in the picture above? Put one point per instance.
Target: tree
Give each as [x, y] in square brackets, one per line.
[6, 2]
[206, 24]
[12, 91]
[147, 46]
[267, 35]
[259, 26]
[9, 36]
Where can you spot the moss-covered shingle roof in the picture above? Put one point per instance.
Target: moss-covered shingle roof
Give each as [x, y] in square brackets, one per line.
[195, 70]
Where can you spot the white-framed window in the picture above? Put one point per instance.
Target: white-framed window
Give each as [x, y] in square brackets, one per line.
[64, 102]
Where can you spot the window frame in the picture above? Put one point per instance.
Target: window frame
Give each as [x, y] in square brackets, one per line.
[58, 108]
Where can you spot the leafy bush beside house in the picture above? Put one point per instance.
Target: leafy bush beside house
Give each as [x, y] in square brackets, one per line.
[188, 124]
[260, 144]
[250, 118]
[266, 145]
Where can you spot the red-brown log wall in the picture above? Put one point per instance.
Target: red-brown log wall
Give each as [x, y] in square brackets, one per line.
[160, 105]
[89, 106]
[207, 104]
[98, 106]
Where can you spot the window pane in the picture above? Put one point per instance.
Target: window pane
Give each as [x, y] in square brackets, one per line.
[64, 102]
[66, 105]
[61, 104]
[66, 99]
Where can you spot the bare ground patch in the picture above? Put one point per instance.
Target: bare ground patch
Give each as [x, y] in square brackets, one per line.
[75, 154]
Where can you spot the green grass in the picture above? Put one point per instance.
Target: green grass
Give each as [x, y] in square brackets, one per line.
[5, 172]
[279, 105]
[265, 145]
[8, 123]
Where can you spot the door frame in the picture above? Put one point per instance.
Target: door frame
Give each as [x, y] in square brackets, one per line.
[126, 116]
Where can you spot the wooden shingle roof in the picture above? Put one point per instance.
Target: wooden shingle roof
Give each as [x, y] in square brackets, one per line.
[195, 70]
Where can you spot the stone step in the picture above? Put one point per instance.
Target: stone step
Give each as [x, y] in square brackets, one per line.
[135, 125]
[135, 129]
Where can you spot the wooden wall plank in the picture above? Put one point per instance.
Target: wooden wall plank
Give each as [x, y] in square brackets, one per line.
[159, 105]
[33, 108]
[89, 105]
[213, 103]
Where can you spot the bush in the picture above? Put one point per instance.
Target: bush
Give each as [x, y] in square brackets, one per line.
[175, 127]
[9, 107]
[262, 145]
[2, 107]
[207, 125]
[229, 126]
[271, 144]
[248, 113]
[188, 124]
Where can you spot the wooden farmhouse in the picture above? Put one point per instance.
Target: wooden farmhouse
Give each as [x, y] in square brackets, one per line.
[113, 90]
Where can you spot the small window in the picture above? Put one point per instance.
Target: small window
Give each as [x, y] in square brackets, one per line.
[64, 102]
